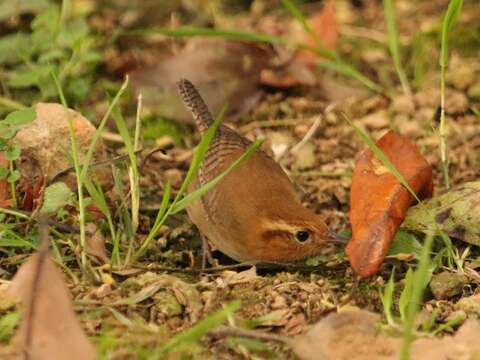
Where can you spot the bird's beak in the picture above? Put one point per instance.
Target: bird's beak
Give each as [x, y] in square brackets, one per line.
[334, 237]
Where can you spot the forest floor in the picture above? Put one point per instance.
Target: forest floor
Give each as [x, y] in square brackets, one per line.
[134, 309]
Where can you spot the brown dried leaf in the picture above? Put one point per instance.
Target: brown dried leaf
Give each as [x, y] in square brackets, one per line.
[211, 64]
[379, 202]
[5, 201]
[345, 335]
[96, 243]
[353, 335]
[325, 27]
[49, 329]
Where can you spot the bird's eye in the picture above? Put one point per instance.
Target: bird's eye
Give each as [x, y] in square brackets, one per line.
[302, 235]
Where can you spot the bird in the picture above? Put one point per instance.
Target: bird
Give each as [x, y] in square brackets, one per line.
[254, 213]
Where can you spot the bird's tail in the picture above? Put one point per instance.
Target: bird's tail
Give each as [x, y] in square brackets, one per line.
[194, 102]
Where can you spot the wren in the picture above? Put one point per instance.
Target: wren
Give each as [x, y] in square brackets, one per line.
[254, 213]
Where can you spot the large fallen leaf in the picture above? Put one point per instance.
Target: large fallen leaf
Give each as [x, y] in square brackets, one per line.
[49, 328]
[224, 71]
[379, 202]
[354, 335]
[456, 212]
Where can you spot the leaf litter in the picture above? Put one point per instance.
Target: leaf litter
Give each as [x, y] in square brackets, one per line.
[49, 328]
[286, 302]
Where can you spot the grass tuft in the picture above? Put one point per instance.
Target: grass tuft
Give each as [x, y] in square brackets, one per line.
[454, 8]
[393, 44]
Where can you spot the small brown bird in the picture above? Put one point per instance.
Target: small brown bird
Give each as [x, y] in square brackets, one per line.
[253, 214]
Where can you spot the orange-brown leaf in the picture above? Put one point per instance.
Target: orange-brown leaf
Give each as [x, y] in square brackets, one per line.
[325, 28]
[4, 197]
[379, 202]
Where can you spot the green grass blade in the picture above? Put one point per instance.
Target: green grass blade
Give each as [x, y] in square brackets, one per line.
[419, 61]
[207, 32]
[159, 219]
[78, 169]
[381, 156]
[406, 295]
[99, 130]
[180, 341]
[351, 72]
[390, 18]
[320, 49]
[387, 298]
[182, 204]
[199, 154]
[420, 279]
[454, 8]
[297, 14]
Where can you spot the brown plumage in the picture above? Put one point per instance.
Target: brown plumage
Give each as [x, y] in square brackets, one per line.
[254, 213]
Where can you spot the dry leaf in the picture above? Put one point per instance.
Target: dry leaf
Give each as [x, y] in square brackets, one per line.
[354, 335]
[379, 202]
[299, 69]
[457, 213]
[242, 277]
[33, 193]
[49, 329]
[325, 28]
[211, 64]
[346, 335]
[5, 201]
[96, 243]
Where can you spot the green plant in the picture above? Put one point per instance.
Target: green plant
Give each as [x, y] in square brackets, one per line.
[81, 169]
[386, 296]
[418, 282]
[389, 10]
[8, 129]
[59, 41]
[454, 8]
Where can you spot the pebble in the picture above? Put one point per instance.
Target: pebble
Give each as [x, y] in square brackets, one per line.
[474, 90]
[447, 284]
[461, 77]
[403, 104]
[456, 102]
[45, 144]
[376, 120]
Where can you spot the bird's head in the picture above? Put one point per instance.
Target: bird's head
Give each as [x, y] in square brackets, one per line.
[292, 238]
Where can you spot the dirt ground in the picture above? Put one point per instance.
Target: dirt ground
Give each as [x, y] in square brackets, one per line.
[162, 293]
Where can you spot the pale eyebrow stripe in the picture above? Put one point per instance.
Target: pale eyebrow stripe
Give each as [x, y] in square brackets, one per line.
[279, 225]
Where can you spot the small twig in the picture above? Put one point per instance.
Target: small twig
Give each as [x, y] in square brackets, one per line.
[308, 135]
[92, 166]
[30, 216]
[225, 331]
[105, 163]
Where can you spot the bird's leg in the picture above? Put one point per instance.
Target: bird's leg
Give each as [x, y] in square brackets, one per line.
[206, 253]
